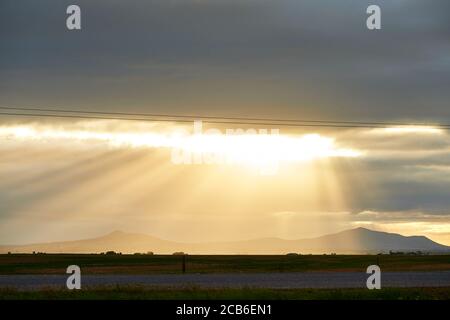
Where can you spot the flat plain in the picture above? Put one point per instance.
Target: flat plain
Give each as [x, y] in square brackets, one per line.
[168, 264]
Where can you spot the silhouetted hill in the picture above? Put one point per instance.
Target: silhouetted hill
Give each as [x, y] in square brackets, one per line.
[359, 240]
[362, 239]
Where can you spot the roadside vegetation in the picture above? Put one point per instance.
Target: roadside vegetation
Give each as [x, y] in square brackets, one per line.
[193, 293]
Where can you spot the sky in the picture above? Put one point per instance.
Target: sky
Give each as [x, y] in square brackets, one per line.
[70, 179]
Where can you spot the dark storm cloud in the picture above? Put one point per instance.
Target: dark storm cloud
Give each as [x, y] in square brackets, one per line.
[400, 171]
[306, 58]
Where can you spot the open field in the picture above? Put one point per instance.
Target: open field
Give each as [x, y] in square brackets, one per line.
[168, 264]
[192, 293]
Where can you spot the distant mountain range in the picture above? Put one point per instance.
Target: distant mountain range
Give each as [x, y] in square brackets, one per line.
[359, 240]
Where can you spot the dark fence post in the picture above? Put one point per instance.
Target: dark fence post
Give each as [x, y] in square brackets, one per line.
[183, 265]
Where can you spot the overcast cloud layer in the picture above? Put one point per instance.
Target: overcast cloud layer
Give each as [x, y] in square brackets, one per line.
[284, 58]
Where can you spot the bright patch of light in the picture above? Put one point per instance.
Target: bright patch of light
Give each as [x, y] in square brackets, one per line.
[249, 149]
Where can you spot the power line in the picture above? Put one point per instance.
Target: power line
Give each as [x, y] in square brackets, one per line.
[207, 119]
[188, 121]
[172, 116]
